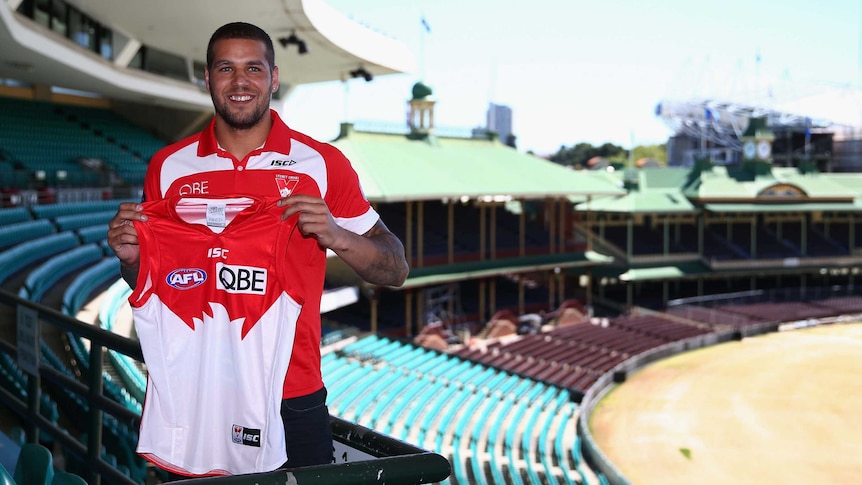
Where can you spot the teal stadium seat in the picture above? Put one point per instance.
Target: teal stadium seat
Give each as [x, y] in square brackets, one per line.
[35, 465]
[66, 478]
[6, 477]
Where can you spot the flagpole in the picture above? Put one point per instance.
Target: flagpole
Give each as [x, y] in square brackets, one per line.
[424, 29]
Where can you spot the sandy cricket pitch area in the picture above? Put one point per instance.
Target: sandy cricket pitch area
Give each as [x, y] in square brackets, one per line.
[782, 408]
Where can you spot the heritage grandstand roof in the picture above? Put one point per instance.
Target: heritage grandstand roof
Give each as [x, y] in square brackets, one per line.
[724, 189]
[396, 168]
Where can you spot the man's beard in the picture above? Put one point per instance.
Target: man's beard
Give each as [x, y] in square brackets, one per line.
[240, 121]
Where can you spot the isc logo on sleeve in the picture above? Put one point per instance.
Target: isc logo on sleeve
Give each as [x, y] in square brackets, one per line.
[240, 279]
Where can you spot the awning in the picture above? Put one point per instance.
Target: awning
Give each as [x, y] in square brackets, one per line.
[760, 208]
[433, 275]
[674, 271]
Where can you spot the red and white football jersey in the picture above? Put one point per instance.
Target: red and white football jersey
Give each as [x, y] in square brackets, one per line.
[215, 309]
[289, 162]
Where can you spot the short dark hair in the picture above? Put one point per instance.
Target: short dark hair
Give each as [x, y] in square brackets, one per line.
[241, 30]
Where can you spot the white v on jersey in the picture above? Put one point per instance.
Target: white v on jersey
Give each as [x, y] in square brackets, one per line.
[216, 312]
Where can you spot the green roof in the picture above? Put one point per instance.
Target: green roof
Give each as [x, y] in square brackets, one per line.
[786, 207]
[727, 184]
[850, 181]
[397, 168]
[663, 178]
[659, 201]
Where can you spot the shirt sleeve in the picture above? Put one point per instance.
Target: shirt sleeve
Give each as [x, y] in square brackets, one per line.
[344, 197]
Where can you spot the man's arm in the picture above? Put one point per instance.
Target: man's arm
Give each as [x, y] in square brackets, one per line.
[377, 256]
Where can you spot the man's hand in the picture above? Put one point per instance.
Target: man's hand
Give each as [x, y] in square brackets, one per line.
[314, 219]
[123, 239]
[377, 256]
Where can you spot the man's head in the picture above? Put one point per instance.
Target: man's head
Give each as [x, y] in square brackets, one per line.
[241, 30]
[241, 74]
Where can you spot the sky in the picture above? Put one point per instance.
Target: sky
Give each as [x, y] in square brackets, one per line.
[586, 71]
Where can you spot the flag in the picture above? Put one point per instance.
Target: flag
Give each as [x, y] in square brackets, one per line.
[425, 24]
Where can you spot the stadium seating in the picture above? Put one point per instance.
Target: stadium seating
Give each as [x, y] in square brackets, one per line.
[77, 133]
[440, 402]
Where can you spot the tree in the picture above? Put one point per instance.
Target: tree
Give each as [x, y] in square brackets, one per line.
[578, 155]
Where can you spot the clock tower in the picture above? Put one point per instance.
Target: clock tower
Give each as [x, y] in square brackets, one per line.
[757, 141]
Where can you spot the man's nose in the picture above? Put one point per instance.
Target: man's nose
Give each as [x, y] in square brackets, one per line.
[240, 78]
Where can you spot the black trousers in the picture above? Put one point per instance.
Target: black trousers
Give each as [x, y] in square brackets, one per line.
[306, 430]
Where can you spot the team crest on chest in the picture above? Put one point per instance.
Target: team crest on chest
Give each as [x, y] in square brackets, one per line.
[286, 184]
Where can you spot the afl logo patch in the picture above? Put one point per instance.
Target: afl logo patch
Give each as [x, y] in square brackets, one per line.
[186, 278]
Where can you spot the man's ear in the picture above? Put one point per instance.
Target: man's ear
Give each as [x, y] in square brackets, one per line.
[207, 78]
[274, 79]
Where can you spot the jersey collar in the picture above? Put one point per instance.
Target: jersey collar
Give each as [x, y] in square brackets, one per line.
[277, 141]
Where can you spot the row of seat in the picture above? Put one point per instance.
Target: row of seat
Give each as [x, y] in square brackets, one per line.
[742, 315]
[455, 407]
[35, 466]
[47, 274]
[18, 224]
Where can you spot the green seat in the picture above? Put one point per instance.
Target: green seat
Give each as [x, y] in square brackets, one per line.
[66, 478]
[35, 465]
[6, 477]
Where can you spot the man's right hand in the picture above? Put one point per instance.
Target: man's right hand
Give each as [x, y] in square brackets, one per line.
[122, 236]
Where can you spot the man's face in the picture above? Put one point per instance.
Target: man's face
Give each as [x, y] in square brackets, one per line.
[240, 82]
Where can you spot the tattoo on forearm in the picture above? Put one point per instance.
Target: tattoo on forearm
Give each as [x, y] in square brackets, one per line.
[390, 266]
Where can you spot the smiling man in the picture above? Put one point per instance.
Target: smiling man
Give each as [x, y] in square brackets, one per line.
[247, 150]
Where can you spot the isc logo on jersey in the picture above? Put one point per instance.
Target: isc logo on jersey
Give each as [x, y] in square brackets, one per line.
[234, 278]
[186, 278]
[245, 436]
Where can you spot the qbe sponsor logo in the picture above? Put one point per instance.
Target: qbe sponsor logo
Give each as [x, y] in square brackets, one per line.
[186, 278]
[234, 278]
[245, 436]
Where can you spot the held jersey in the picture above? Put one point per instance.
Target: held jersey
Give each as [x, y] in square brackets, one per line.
[215, 312]
[288, 163]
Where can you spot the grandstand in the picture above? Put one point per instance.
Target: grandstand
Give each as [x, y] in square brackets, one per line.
[532, 287]
[813, 123]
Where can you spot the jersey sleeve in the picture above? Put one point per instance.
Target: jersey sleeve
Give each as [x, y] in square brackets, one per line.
[345, 199]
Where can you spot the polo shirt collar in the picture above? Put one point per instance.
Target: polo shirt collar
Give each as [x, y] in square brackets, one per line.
[277, 141]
